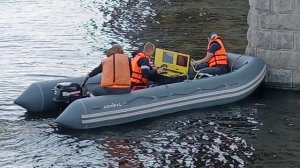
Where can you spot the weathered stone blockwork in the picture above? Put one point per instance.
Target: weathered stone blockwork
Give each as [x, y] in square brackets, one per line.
[274, 35]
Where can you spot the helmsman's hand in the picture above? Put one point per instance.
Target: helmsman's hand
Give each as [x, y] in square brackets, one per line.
[193, 62]
[160, 70]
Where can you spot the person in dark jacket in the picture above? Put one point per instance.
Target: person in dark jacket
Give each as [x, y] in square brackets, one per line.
[143, 72]
[215, 61]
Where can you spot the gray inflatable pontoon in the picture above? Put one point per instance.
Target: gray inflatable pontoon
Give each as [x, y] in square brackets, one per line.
[246, 75]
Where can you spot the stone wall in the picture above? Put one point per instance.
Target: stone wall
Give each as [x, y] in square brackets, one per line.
[274, 35]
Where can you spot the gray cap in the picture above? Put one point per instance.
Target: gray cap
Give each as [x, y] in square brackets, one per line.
[212, 35]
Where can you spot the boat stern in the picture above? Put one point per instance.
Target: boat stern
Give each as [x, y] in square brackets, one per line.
[31, 99]
[71, 116]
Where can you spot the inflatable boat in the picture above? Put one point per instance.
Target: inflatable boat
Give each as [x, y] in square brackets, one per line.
[246, 74]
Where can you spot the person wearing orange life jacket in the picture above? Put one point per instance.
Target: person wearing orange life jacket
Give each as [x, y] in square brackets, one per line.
[116, 72]
[143, 72]
[215, 62]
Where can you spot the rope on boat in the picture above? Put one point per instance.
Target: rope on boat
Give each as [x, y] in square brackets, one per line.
[235, 61]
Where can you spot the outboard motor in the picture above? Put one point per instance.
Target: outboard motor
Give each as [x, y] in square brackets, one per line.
[67, 92]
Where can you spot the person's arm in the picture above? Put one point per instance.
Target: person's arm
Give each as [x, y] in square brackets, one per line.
[147, 70]
[210, 53]
[205, 59]
[95, 71]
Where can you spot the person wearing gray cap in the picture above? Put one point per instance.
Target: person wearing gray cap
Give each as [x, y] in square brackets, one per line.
[215, 62]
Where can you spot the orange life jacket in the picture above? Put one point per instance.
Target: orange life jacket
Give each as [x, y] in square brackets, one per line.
[136, 76]
[220, 56]
[116, 72]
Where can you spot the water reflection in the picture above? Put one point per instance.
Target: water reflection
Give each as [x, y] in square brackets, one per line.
[190, 139]
[121, 20]
[175, 25]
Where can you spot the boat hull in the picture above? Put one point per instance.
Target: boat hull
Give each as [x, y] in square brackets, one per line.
[247, 74]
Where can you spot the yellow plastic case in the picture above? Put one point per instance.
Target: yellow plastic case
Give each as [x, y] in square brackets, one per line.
[174, 63]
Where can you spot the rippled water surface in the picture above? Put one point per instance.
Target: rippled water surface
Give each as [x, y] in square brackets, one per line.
[50, 39]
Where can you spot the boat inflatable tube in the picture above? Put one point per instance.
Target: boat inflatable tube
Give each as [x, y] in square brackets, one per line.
[246, 74]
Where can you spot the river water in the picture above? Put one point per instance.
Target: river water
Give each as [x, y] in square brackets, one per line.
[50, 39]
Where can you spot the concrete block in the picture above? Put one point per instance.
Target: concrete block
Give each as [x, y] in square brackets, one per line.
[264, 55]
[278, 59]
[282, 40]
[298, 6]
[263, 39]
[283, 6]
[296, 79]
[279, 22]
[297, 41]
[252, 19]
[280, 77]
[296, 56]
[260, 4]
[273, 58]
[291, 60]
[250, 36]
[267, 76]
[252, 3]
[260, 39]
[284, 59]
[266, 21]
[250, 50]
